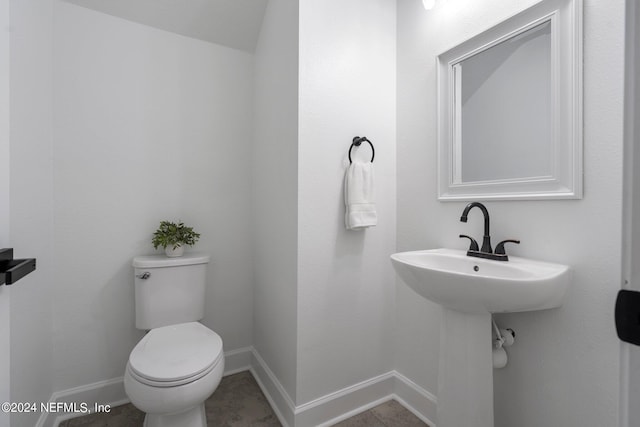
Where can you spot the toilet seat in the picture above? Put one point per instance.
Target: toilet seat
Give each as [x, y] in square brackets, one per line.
[168, 384]
[175, 355]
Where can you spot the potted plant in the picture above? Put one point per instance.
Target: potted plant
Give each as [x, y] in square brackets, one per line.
[174, 237]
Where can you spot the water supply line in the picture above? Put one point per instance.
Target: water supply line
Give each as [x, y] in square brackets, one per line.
[504, 338]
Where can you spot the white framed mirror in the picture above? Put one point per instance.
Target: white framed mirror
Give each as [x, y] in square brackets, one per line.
[510, 109]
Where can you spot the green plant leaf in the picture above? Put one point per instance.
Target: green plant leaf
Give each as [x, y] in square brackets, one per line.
[174, 234]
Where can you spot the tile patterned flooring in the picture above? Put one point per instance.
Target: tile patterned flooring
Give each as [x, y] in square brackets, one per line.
[388, 414]
[239, 402]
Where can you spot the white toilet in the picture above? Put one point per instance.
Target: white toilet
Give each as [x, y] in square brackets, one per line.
[178, 364]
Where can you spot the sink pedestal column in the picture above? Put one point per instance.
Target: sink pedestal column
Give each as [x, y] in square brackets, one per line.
[465, 376]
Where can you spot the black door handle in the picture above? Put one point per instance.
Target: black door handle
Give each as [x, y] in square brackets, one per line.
[627, 315]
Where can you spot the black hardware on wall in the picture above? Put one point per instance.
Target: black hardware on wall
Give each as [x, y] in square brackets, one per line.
[12, 270]
[357, 141]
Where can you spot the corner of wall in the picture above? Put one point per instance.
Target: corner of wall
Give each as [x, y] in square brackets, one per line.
[275, 189]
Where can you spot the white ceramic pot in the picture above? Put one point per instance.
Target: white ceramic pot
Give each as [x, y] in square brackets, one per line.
[173, 253]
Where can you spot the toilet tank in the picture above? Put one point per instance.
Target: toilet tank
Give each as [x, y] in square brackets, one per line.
[169, 290]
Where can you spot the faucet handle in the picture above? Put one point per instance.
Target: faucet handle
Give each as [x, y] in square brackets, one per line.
[474, 245]
[500, 246]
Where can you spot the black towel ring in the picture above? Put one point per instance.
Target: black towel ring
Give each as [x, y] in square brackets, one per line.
[359, 140]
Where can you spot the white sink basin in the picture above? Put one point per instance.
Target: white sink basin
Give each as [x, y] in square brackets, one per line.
[474, 285]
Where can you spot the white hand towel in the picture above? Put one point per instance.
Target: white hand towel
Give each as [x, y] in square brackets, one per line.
[359, 193]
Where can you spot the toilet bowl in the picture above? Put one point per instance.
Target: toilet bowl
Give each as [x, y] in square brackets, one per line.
[172, 371]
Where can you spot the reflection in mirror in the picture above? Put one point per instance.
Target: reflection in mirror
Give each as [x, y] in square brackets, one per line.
[504, 97]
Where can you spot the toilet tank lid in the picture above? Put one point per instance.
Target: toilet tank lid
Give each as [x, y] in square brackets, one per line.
[155, 261]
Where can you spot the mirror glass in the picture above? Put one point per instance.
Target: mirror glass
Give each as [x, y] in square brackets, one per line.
[504, 102]
[509, 107]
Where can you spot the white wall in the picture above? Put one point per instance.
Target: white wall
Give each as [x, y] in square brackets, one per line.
[564, 368]
[4, 123]
[345, 279]
[275, 191]
[5, 297]
[149, 125]
[31, 202]
[632, 153]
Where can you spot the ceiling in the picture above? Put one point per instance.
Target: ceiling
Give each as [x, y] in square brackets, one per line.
[232, 23]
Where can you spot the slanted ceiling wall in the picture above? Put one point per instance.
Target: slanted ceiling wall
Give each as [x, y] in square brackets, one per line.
[235, 23]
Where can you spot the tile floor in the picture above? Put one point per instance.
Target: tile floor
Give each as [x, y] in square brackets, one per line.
[388, 414]
[239, 402]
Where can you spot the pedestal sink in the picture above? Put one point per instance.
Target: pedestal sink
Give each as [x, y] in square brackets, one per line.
[469, 290]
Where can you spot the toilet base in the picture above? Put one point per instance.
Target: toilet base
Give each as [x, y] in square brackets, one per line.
[194, 417]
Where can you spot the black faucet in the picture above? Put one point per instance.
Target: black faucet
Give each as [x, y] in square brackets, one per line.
[485, 251]
[486, 239]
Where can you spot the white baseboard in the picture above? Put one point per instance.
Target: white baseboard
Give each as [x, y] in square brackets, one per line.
[338, 406]
[275, 393]
[324, 411]
[238, 360]
[416, 399]
[342, 404]
[111, 392]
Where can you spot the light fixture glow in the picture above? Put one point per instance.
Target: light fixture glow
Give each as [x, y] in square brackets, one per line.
[428, 4]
